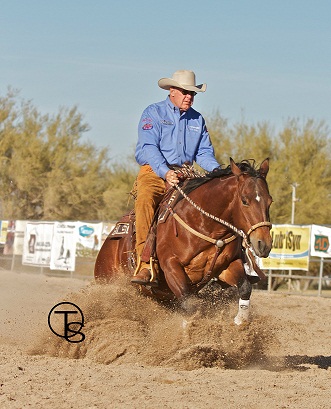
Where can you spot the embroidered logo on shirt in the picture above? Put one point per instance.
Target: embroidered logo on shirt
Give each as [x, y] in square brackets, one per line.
[165, 122]
[194, 128]
[147, 127]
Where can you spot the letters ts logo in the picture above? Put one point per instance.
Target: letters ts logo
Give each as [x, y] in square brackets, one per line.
[66, 320]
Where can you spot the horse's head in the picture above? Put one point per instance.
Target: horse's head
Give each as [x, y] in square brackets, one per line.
[251, 213]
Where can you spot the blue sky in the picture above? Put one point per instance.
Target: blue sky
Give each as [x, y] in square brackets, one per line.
[263, 60]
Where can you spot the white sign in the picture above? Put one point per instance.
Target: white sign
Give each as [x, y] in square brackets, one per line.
[20, 227]
[88, 238]
[63, 253]
[320, 241]
[38, 243]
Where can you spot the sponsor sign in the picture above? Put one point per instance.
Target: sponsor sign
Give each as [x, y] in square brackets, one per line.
[290, 248]
[10, 237]
[106, 229]
[320, 241]
[63, 253]
[38, 243]
[3, 231]
[88, 239]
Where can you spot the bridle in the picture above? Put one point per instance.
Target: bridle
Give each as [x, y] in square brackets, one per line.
[245, 236]
[189, 172]
[219, 243]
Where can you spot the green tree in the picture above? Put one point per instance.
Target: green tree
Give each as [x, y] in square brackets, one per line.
[77, 173]
[297, 153]
[303, 157]
[46, 172]
[117, 197]
[20, 150]
[241, 141]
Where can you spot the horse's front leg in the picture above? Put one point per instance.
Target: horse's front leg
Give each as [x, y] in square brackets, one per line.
[245, 291]
[235, 276]
[177, 280]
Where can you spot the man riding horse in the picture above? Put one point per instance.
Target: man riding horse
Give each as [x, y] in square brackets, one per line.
[170, 133]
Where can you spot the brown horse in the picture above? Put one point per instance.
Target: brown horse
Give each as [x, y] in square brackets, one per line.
[211, 232]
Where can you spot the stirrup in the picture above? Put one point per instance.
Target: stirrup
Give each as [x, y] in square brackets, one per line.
[153, 278]
[138, 266]
[153, 272]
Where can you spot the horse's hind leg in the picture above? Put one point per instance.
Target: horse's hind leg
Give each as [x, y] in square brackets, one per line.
[245, 291]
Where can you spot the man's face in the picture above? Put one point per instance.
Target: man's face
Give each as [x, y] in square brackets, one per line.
[181, 98]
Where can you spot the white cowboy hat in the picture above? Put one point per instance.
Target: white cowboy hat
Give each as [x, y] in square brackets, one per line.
[183, 79]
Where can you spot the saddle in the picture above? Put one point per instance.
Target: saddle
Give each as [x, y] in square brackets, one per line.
[126, 226]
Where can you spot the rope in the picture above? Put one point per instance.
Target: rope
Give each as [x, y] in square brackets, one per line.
[217, 242]
[211, 216]
[224, 222]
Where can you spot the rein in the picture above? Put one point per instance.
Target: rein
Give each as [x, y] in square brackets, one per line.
[219, 243]
[221, 221]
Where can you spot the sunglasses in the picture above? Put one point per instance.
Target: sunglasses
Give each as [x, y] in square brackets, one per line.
[185, 92]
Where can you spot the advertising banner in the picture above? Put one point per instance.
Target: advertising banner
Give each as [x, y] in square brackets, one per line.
[20, 227]
[106, 229]
[10, 237]
[37, 243]
[320, 241]
[290, 248]
[63, 252]
[88, 239]
[3, 231]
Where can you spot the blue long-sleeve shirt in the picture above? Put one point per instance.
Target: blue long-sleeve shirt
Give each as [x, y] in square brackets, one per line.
[166, 137]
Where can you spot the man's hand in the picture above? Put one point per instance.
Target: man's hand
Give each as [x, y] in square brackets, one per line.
[171, 177]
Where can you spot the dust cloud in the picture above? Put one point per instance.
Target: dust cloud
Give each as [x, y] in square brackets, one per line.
[122, 326]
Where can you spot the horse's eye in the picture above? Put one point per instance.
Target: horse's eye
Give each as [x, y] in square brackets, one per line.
[244, 201]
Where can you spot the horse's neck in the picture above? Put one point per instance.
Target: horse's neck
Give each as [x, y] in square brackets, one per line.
[217, 197]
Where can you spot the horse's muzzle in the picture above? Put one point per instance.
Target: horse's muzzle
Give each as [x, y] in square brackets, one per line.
[261, 245]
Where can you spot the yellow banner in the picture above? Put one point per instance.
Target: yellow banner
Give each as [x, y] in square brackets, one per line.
[3, 233]
[290, 248]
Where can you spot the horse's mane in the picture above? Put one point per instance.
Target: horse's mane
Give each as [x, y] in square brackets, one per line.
[247, 166]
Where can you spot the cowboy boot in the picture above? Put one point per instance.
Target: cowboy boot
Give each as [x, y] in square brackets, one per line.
[145, 275]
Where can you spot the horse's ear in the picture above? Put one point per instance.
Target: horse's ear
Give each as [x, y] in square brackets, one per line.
[234, 167]
[264, 168]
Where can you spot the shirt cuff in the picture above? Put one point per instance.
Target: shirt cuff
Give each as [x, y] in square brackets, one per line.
[162, 171]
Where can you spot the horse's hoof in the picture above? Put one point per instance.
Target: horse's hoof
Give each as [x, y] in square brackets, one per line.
[190, 305]
[241, 320]
[237, 321]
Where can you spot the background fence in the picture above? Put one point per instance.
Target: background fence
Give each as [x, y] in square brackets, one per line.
[315, 280]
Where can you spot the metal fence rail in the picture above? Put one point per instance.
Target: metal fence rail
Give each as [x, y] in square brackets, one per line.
[305, 277]
[84, 267]
[299, 282]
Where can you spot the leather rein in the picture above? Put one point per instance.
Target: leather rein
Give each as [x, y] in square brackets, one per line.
[218, 243]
